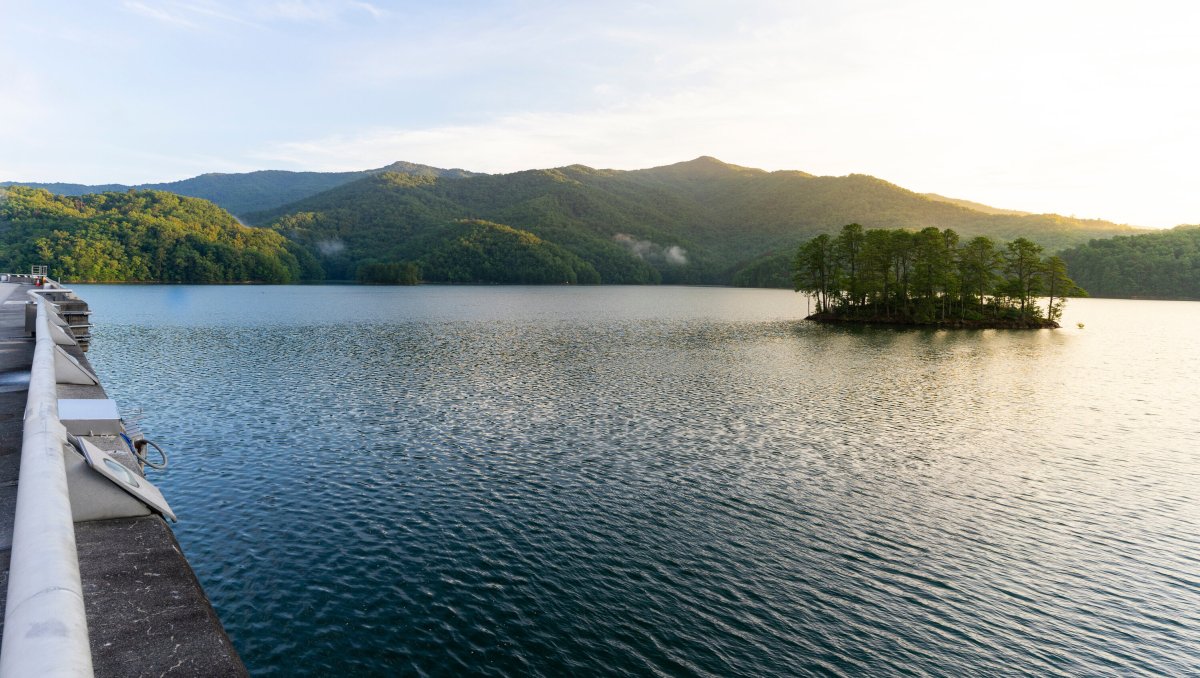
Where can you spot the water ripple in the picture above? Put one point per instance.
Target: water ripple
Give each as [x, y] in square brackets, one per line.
[675, 481]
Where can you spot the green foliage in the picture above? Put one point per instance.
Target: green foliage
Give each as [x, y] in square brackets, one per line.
[1162, 265]
[141, 236]
[485, 252]
[979, 263]
[928, 277]
[1023, 269]
[397, 217]
[818, 268]
[769, 270]
[389, 273]
[720, 221]
[1058, 286]
[697, 222]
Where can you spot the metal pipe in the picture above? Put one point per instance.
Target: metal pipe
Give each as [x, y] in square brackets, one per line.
[45, 624]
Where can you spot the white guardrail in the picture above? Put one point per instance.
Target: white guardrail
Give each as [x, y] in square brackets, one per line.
[45, 626]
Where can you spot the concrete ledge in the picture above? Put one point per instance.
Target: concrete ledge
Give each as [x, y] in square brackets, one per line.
[147, 614]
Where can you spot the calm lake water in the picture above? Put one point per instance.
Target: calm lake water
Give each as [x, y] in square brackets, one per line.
[669, 481]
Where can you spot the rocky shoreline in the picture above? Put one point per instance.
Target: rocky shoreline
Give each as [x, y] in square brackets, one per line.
[949, 323]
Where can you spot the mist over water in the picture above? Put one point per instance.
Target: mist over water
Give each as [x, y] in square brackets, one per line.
[684, 481]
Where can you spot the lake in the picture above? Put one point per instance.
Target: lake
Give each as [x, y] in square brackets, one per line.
[668, 481]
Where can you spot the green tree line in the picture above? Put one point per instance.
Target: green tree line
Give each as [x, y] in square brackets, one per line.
[930, 277]
[1159, 265]
[474, 251]
[142, 236]
[481, 251]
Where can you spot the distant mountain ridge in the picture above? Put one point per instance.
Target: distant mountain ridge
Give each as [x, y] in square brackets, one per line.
[242, 193]
[700, 221]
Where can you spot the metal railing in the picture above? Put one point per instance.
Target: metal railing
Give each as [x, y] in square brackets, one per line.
[45, 625]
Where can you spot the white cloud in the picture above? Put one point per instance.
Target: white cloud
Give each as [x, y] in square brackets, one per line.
[192, 15]
[215, 10]
[195, 14]
[168, 13]
[368, 8]
[608, 138]
[316, 11]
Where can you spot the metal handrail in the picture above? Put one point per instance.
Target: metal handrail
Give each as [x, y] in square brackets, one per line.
[45, 624]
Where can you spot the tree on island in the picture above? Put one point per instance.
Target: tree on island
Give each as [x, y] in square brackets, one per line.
[930, 278]
[1058, 286]
[978, 264]
[1023, 268]
[816, 259]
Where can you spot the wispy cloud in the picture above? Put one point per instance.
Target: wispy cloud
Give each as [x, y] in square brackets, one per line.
[317, 11]
[187, 14]
[368, 8]
[505, 144]
[195, 14]
[216, 11]
[628, 133]
[167, 13]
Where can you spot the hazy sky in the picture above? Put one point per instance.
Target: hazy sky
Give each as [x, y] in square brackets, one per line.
[1084, 108]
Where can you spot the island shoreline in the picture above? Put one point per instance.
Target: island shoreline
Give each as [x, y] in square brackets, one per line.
[948, 324]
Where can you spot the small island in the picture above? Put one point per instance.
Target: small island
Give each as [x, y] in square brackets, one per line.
[928, 278]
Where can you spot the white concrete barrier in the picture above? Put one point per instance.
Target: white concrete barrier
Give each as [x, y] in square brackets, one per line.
[45, 625]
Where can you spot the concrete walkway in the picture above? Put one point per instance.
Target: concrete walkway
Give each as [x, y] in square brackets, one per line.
[147, 613]
[16, 356]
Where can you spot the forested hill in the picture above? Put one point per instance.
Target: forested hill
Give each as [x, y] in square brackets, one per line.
[141, 236]
[241, 193]
[702, 221]
[1163, 265]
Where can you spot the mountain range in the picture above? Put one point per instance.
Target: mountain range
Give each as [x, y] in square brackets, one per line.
[701, 221]
[240, 193]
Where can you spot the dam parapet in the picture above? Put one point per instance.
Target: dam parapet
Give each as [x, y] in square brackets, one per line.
[93, 579]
